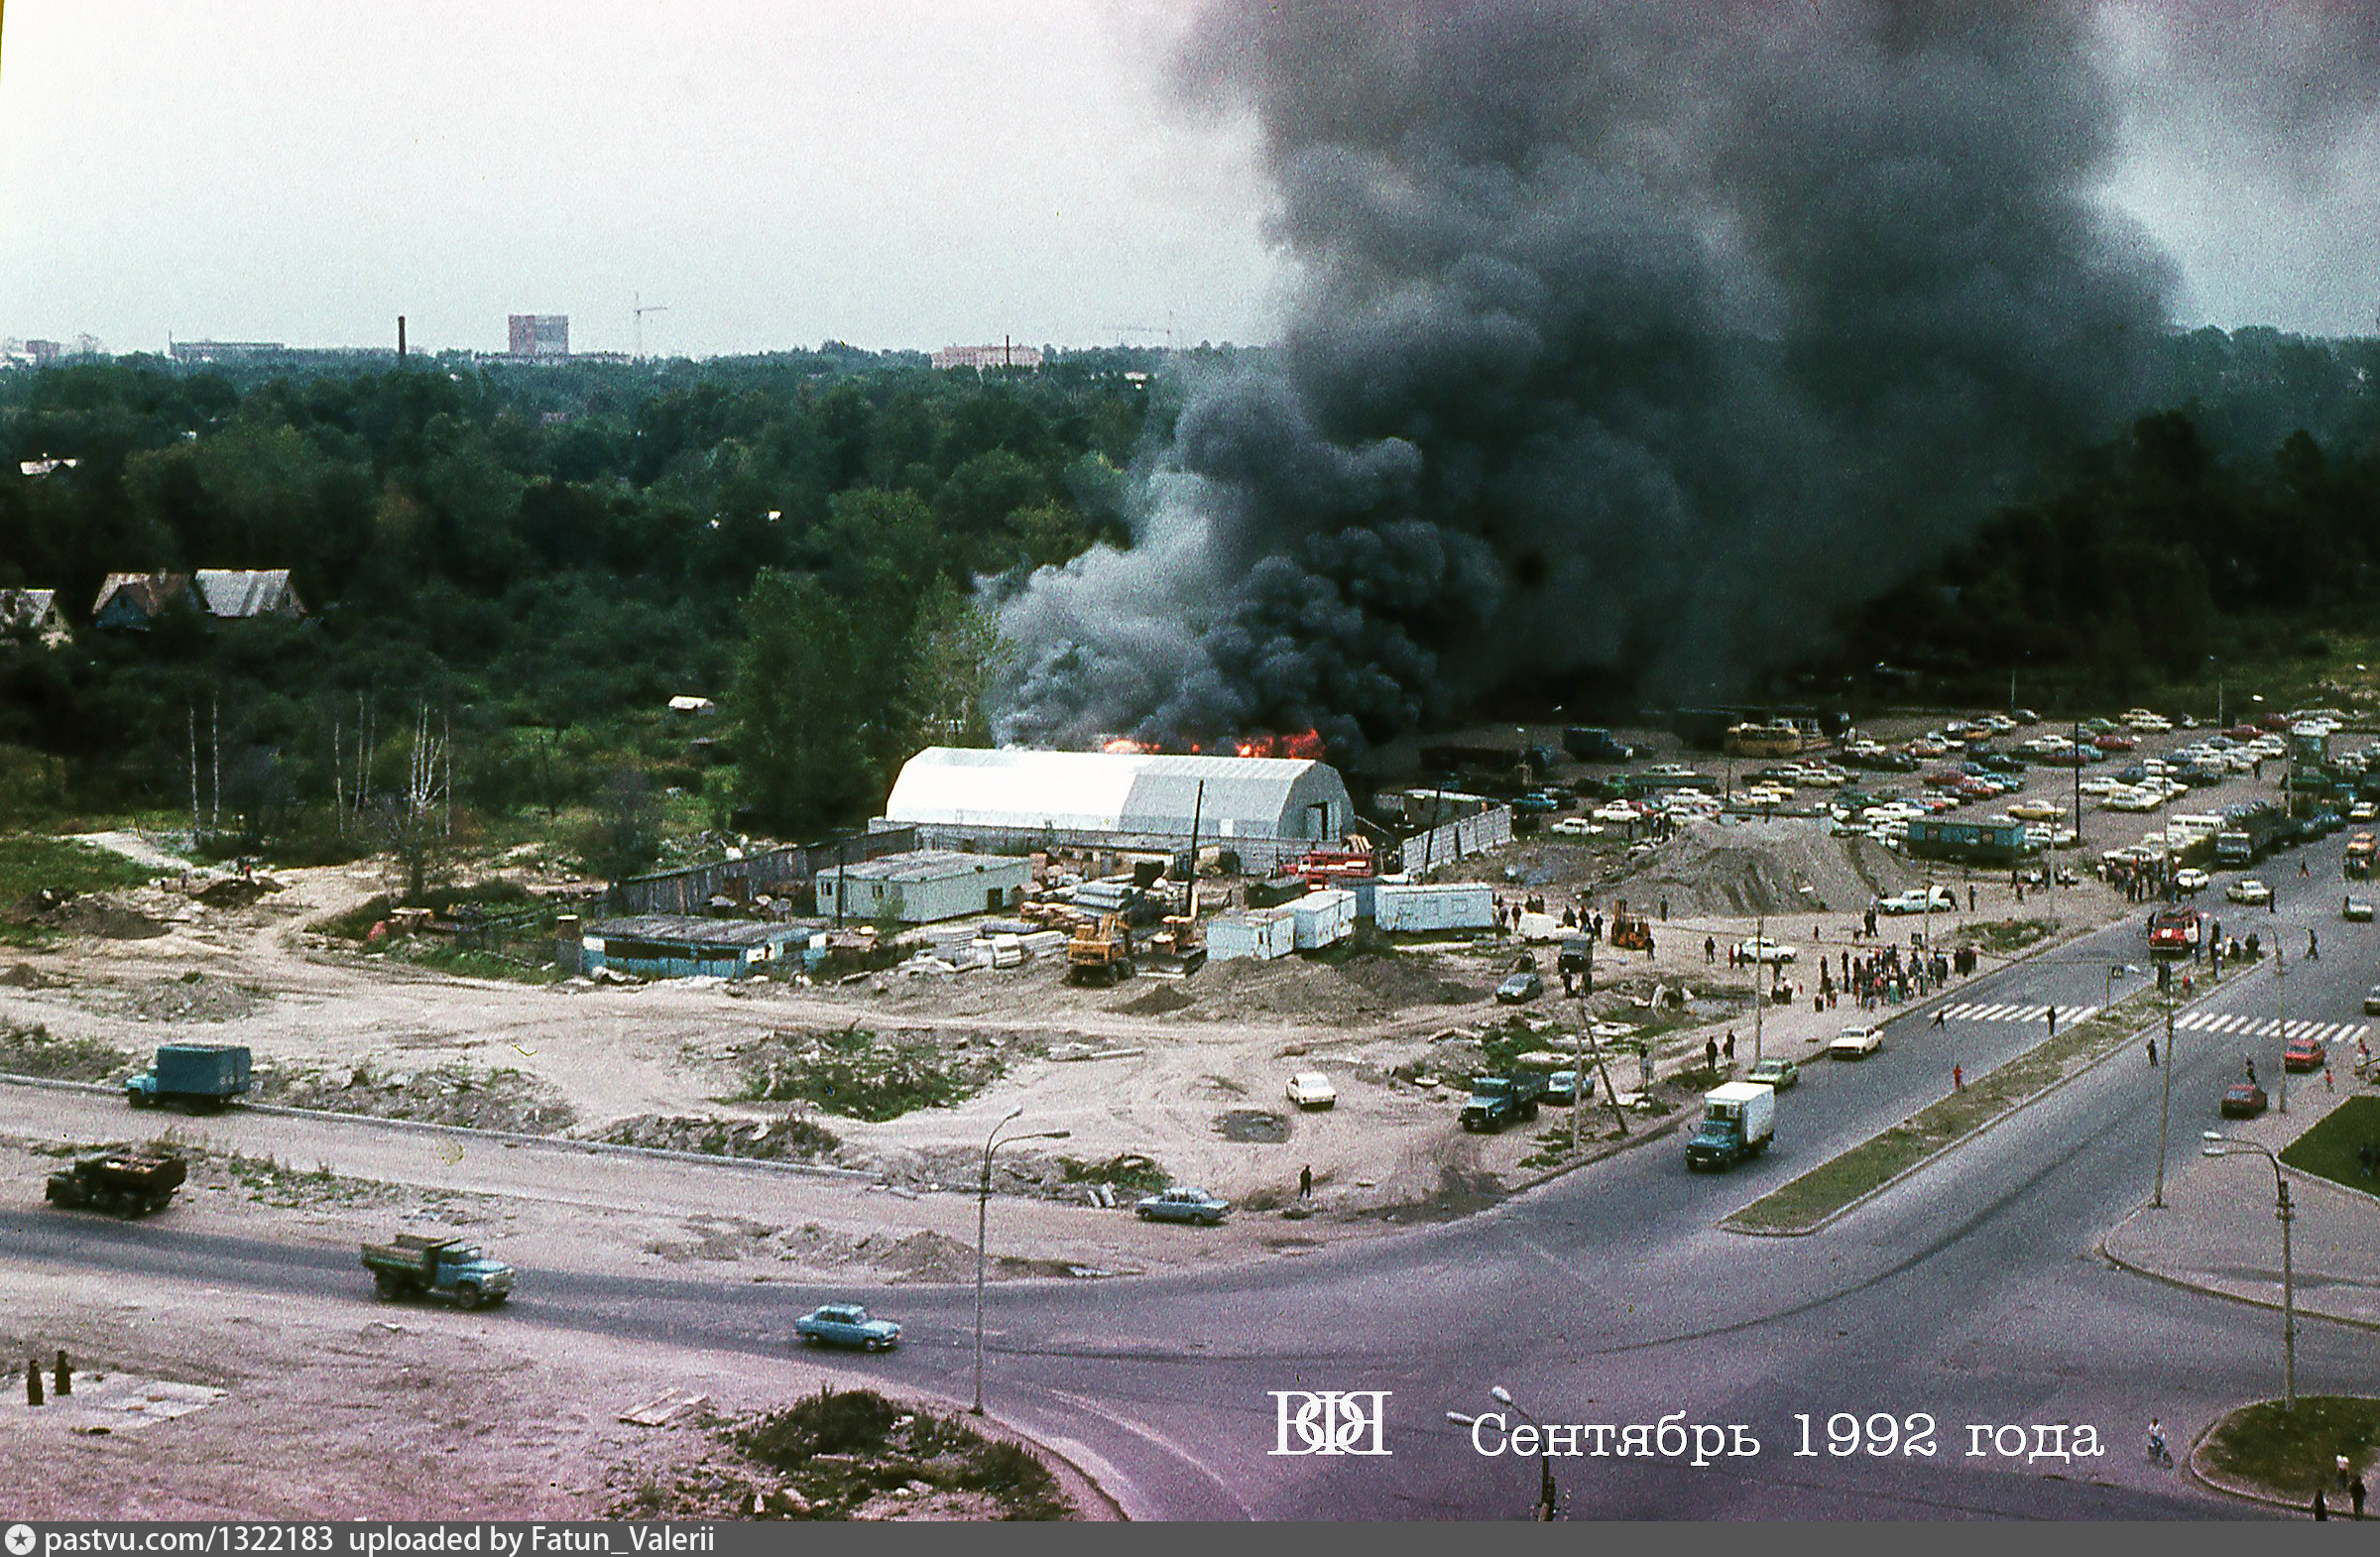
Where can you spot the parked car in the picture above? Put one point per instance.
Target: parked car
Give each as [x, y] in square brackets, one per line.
[1183, 1205]
[1778, 1073]
[2371, 1000]
[2363, 811]
[2244, 1100]
[2249, 889]
[1572, 827]
[1518, 989]
[1311, 1089]
[845, 1324]
[1562, 1088]
[2300, 1054]
[2357, 910]
[2036, 812]
[1760, 949]
[1857, 1042]
[2191, 879]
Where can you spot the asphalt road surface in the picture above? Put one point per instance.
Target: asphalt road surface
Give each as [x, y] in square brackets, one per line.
[1968, 1294]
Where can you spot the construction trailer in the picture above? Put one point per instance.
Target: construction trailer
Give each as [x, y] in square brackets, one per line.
[924, 887]
[1260, 934]
[1450, 905]
[1323, 919]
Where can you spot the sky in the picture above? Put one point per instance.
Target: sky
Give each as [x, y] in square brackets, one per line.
[894, 173]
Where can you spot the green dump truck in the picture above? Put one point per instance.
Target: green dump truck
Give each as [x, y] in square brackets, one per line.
[131, 1181]
[412, 1265]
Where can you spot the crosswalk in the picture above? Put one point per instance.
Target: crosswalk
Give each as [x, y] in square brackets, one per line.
[1972, 1011]
[2269, 1027]
[2245, 1027]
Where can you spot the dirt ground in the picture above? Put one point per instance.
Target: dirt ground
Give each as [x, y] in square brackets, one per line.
[1154, 1081]
[248, 1406]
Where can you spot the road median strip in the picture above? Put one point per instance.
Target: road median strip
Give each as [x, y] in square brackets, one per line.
[1835, 1186]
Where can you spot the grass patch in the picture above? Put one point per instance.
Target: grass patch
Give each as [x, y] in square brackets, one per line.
[31, 864]
[839, 1448]
[2002, 936]
[858, 1075]
[36, 1051]
[1809, 1200]
[2292, 1453]
[443, 957]
[270, 1181]
[2328, 1149]
[490, 899]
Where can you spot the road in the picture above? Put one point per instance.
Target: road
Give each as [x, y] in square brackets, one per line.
[1970, 1294]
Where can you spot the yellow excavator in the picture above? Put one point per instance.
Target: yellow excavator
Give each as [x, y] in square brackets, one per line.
[1100, 951]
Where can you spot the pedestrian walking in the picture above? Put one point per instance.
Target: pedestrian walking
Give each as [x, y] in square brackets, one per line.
[2355, 1496]
[2314, 949]
[2251, 1063]
[1305, 1175]
[1710, 1046]
[1958, 1073]
[2053, 1009]
[2302, 871]
[1710, 946]
[1940, 1012]
[2320, 1509]
[2326, 1086]
[2152, 1053]
[1970, 898]
[1728, 1049]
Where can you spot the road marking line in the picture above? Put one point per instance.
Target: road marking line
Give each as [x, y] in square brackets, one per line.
[1147, 1434]
[1960, 1012]
[2084, 1015]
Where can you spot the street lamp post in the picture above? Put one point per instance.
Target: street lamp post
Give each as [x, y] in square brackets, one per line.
[1547, 1498]
[2286, 1210]
[983, 1208]
[2281, 1002]
[2164, 1102]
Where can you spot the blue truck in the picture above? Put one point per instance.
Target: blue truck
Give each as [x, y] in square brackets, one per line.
[412, 1265]
[200, 1076]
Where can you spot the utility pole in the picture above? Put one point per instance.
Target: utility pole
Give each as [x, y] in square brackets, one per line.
[1759, 997]
[2165, 1106]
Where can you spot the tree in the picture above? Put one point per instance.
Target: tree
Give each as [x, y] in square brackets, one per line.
[626, 835]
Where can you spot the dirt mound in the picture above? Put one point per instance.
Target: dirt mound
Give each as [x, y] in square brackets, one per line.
[234, 893]
[1252, 1126]
[25, 976]
[1357, 991]
[1163, 1000]
[192, 997]
[791, 1139]
[1781, 867]
[452, 1094]
[103, 916]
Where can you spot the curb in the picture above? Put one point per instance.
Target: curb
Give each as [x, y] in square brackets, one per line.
[2228, 1487]
[1933, 1156]
[2185, 1284]
[425, 1127]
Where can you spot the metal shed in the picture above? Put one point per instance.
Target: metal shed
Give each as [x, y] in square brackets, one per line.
[1264, 808]
[671, 946]
[924, 886]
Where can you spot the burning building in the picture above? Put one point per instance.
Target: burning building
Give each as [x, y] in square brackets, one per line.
[1264, 808]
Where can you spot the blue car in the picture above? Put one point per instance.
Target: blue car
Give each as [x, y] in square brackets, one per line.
[845, 1324]
[1184, 1205]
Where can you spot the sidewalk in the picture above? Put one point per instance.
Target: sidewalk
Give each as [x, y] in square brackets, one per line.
[2216, 1232]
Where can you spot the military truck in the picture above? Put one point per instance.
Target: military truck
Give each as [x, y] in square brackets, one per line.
[131, 1181]
[201, 1077]
[410, 1266]
[1496, 1101]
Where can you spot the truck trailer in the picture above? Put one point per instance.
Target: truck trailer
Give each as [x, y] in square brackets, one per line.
[200, 1076]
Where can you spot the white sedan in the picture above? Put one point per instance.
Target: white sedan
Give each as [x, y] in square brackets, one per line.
[1617, 814]
[1574, 827]
[1761, 950]
[2036, 812]
[1857, 1042]
[2193, 879]
[2249, 889]
[1311, 1089]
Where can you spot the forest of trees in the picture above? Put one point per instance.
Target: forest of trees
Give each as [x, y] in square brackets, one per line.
[521, 564]
[542, 555]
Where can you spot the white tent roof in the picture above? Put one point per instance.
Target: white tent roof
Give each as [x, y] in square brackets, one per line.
[1106, 792]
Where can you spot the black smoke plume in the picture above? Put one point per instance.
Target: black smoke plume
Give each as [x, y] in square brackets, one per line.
[1631, 336]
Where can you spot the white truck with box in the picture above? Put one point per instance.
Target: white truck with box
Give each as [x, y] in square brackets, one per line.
[1738, 1121]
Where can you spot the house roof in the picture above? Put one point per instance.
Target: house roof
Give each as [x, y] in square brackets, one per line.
[231, 593]
[145, 594]
[676, 929]
[922, 865]
[26, 607]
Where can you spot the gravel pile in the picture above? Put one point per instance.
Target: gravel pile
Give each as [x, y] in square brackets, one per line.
[1784, 865]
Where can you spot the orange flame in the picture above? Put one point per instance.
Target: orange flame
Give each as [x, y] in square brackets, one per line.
[1126, 744]
[1303, 743]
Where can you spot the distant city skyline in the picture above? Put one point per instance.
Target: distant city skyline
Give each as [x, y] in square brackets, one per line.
[904, 174]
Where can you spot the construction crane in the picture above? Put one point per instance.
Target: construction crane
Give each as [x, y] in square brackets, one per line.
[639, 307]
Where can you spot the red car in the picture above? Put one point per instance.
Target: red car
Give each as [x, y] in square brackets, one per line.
[2173, 932]
[2301, 1055]
[2245, 732]
[2244, 1100]
[2115, 743]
